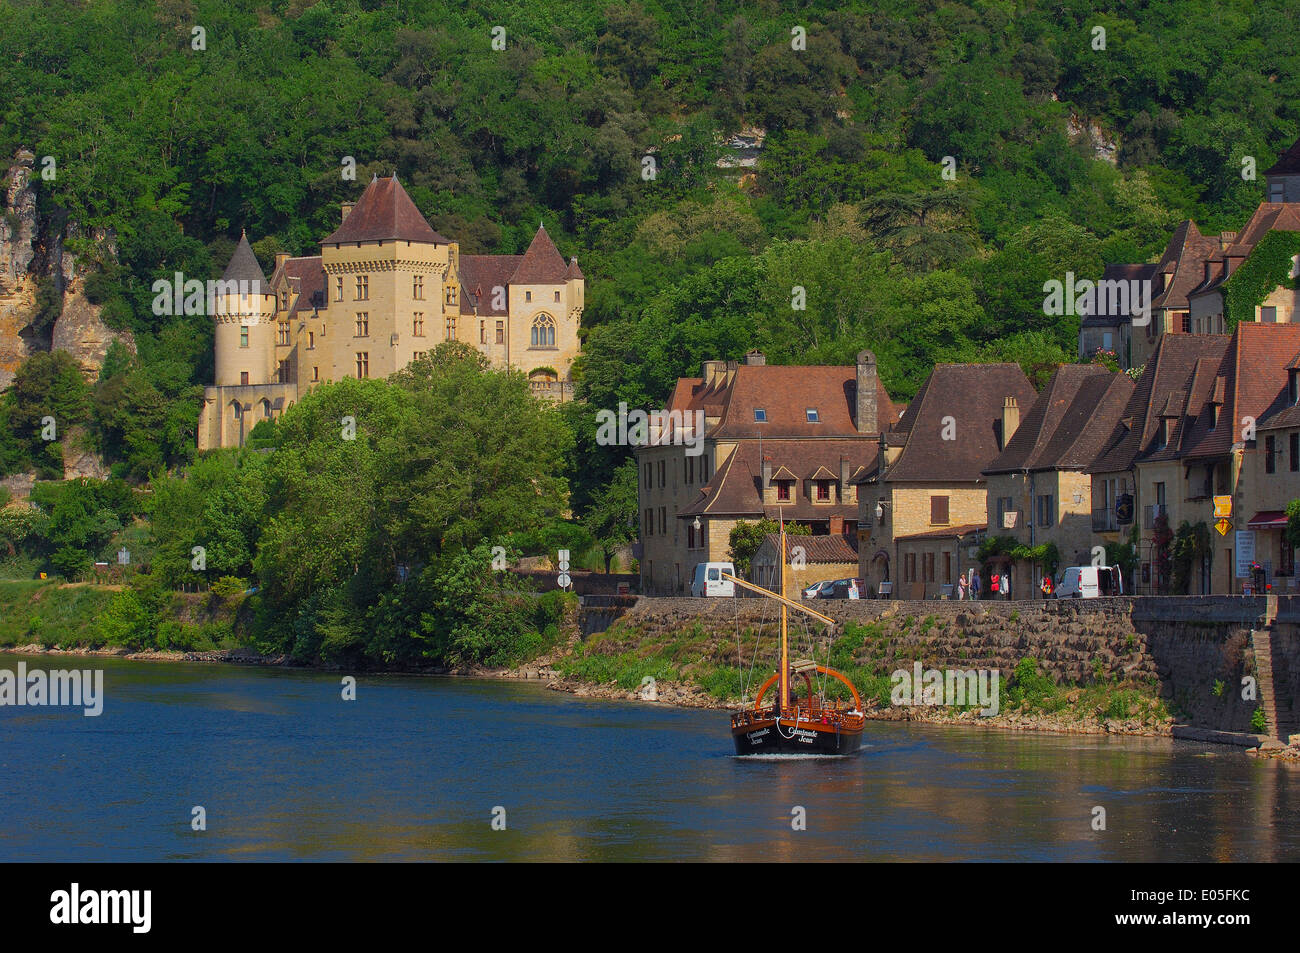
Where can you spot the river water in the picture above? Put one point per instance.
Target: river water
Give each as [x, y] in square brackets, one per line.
[416, 768]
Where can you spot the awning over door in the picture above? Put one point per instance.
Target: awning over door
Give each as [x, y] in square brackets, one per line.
[1268, 519]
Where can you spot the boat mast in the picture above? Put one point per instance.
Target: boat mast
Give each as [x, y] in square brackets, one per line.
[785, 649]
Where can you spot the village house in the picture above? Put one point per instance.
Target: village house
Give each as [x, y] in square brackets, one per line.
[1039, 490]
[923, 498]
[385, 290]
[1204, 414]
[1272, 481]
[809, 559]
[1187, 283]
[777, 442]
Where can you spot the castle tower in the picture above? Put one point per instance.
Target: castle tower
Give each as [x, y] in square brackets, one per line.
[243, 309]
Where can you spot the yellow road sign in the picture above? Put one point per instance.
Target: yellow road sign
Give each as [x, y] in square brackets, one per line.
[1223, 526]
[1222, 507]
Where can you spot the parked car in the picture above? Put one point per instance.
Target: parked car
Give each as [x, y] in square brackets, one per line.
[839, 589]
[708, 580]
[1090, 582]
[812, 591]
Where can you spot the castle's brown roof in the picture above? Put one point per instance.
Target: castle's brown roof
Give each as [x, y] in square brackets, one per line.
[306, 278]
[541, 264]
[972, 395]
[573, 271]
[479, 275]
[384, 213]
[1068, 423]
[1182, 265]
[244, 267]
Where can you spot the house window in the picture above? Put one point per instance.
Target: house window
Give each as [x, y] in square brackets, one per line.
[363, 287]
[1163, 436]
[528, 296]
[282, 373]
[237, 410]
[363, 324]
[417, 287]
[501, 332]
[284, 300]
[1107, 342]
[543, 334]
[649, 523]
[1270, 447]
[243, 377]
[315, 373]
[363, 364]
[1214, 416]
[947, 567]
[760, 415]
[557, 297]
[823, 490]
[419, 355]
[311, 340]
[1287, 562]
[1046, 509]
[1268, 315]
[938, 511]
[417, 324]
[1294, 445]
[451, 295]
[338, 288]
[783, 490]
[811, 413]
[909, 567]
[663, 521]
[928, 567]
[663, 474]
[1187, 322]
[243, 336]
[649, 478]
[1293, 387]
[451, 327]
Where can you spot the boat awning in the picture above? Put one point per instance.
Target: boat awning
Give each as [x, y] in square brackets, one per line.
[1268, 519]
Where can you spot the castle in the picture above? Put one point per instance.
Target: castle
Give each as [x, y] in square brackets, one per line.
[385, 289]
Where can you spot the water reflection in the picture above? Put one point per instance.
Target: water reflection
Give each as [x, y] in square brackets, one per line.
[413, 769]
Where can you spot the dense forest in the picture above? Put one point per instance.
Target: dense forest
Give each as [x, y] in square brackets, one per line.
[925, 167]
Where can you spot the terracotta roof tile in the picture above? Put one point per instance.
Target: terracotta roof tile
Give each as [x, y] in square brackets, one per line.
[972, 395]
[479, 275]
[384, 213]
[834, 548]
[541, 264]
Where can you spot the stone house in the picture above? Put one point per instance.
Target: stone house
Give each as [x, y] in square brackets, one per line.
[927, 476]
[775, 441]
[1039, 490]
[809, 559]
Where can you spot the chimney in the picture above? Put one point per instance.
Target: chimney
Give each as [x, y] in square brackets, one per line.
[767, 477]
[280, 258]
[1010, 419]
[837, 526]
[844, 474]
[712, 370]
[347, 208]
[755, 359]
[867, 413]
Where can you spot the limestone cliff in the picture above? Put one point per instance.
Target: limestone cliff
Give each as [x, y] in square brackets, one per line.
[33, 251]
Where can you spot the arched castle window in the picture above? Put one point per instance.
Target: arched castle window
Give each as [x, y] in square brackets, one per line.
[543, 334]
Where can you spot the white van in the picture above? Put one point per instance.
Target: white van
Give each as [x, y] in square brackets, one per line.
[708, 580]
[1090, 582]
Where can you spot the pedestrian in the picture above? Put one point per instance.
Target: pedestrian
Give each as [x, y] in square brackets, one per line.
[1048, 586]
[995, 584]
[961, 588]
[976, 584]
[1006, 585]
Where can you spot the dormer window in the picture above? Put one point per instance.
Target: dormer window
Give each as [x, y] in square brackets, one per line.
[1293, 387]
[812, 415]
[1164, 433]
[1214, 416]
[760, 415]
[783, 490]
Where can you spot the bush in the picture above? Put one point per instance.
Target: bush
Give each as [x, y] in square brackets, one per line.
[1029, 685]
[1258, 722]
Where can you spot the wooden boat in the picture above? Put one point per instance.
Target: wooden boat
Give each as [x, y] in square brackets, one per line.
[807, 725]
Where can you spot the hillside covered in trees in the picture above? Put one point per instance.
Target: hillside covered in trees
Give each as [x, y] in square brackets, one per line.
[180, 122]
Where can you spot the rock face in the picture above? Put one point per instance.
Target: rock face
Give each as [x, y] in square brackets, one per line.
[30, 250]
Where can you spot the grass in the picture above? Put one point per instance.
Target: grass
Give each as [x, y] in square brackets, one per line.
[51, 613]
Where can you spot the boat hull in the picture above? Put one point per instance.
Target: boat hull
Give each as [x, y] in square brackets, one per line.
[768, 738]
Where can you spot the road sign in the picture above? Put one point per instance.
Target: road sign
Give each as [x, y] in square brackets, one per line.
[563, 580]
[1223, 526]
[1222, 507]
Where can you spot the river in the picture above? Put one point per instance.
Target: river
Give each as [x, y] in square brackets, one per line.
[416, 768]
